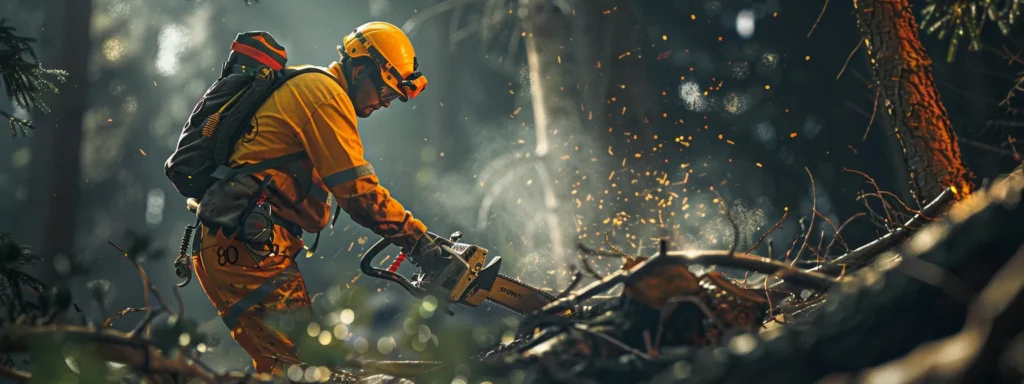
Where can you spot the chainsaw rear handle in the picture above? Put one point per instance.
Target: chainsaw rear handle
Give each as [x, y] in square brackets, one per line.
[366, 264]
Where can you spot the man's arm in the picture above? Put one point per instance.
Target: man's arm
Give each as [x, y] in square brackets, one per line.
[333, 144]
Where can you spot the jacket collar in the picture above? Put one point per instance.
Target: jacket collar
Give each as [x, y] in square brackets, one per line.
[335, 69]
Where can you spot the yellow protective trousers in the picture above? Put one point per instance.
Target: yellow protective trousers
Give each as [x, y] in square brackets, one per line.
[246, 286]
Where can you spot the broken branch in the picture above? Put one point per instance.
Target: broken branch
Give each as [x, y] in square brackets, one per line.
[869, 251]
[118, 347]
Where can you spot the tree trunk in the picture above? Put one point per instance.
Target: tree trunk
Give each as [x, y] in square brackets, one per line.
[554, 108]
[902, 70]
[57, 147]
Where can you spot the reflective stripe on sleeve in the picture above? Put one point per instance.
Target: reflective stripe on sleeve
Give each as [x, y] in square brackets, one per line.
[347, 175]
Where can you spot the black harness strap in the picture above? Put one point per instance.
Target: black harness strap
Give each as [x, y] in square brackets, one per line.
[224, 172]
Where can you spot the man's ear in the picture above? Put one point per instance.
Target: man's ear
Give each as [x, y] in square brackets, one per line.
[358, 70]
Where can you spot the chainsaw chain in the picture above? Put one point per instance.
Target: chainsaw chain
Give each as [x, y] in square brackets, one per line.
[508, 307]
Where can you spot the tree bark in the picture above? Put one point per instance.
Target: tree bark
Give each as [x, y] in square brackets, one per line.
[902, 70]
[57, 147]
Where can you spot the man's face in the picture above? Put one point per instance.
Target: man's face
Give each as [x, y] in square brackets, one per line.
[366, 95]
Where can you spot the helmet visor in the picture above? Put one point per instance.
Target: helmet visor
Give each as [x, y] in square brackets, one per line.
[407, 87]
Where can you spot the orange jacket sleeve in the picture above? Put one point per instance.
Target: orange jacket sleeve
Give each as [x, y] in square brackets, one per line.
[332, 142]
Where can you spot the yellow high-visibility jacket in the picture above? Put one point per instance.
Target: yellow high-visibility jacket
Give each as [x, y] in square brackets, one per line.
[313, 113]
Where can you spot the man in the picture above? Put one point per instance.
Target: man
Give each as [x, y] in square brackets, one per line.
[316, 114]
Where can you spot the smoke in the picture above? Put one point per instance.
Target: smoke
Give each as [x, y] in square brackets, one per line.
[173, 41]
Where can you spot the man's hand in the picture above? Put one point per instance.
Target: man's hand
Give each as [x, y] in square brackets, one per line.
[428, 256]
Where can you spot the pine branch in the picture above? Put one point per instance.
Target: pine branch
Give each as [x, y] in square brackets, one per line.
[17, 125]
[967, 18]
[24, 78]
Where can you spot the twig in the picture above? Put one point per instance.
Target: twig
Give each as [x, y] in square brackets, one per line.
[855, 49]
[835, 231]
[871, 180]
[809, 279]
[648, 344]
[586, 263]
[857, 109]
[774, 227]
[110, 322]
[874, 110]
[841, 227]
[608, 241]
[663, 315]
[881, 194]
[867, 252]
[875, 218]
[160, 299]
[735, 228]
[823, 8]
[576, 279]
[142, 274]
[1009, 141]
[597, 252]
[816, 250]
[986, 147]
[814, 209]
[1017, 87]
[590, 269]
[614, 341]
[791, 247]
[16, 375]
[144, 324]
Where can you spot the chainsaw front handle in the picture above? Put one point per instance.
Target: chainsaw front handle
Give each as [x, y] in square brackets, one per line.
[366, 264]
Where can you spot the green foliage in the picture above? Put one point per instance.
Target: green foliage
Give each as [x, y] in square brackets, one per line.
[13, 280]
[24, 78]
[967, 18]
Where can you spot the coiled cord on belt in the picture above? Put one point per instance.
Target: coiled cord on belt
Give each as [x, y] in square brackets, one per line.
[186, 242]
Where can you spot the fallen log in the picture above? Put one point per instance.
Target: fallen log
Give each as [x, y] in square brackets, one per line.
[883, 311]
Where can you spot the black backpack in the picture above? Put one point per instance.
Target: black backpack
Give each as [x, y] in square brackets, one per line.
[255, 68]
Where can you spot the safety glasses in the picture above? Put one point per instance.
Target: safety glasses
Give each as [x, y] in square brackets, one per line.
[387, 95]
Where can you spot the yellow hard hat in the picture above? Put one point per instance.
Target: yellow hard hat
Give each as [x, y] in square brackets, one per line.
[387, 45]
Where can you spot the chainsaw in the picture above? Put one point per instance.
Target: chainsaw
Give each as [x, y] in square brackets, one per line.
[468, 280]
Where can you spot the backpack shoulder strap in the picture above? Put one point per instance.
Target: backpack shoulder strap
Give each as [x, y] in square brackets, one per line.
[303, 178]
[291, 72]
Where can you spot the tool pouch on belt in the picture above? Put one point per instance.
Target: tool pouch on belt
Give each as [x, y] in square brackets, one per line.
[235, 207]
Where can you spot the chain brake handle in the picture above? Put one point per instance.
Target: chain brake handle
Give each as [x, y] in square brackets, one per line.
[366, 264]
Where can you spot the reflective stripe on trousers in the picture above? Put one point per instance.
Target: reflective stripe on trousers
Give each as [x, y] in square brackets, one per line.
[259, 294]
